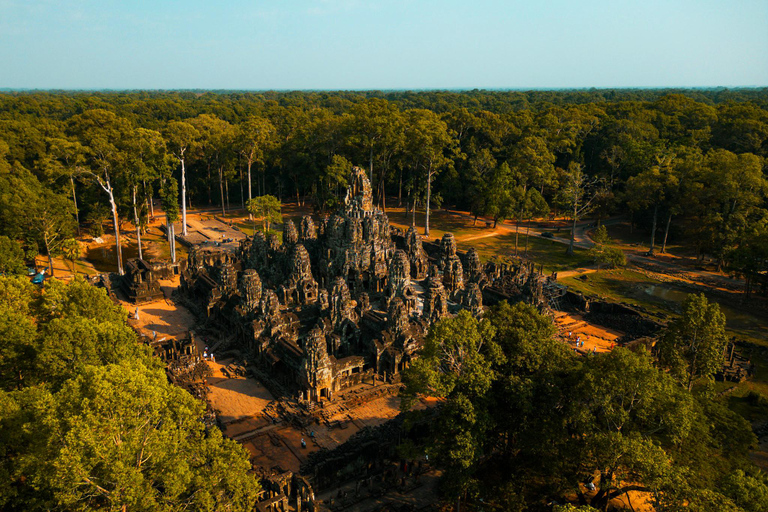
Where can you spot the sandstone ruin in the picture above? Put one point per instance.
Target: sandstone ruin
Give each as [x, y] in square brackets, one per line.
[346, 300]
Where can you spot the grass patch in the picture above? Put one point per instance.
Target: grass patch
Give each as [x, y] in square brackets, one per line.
[491, 242]
[621, 285]
[440, 222]
[639, 239]
[549, 253]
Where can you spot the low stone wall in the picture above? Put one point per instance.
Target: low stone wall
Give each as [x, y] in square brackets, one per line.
[613, 315]
[364, 454]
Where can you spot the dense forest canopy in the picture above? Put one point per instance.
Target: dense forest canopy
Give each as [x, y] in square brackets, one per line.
[678, 161]
[524, 422]
[88, 419]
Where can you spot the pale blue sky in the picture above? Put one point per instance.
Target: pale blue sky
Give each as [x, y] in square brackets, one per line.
[393, 44]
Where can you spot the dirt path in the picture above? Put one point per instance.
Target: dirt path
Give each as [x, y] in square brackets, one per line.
[496, 232]
[162, 317]
[674, 270]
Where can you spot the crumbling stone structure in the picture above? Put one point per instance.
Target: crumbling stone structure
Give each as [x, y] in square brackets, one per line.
[340, 301]
[416, 255]
[282, 491]
[141, 280]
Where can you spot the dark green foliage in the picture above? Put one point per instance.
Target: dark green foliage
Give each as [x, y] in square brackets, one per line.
[89, 419]
[682, 161]
[526, 422]
[11, 257]
[523, 419]
[694, 344]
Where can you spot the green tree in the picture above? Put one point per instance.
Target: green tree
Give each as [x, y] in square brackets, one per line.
[533, 165]
[71, 250]
[693, 346]
[602, 253]
[333, 179]
[11, 257]
[169, 198]
[456, 364]
[17, 357]
[651, 187]
[180, 136]
[577, 194]
[215, 147]
[732, 190]
[67, 158]
[254, 137]
[104, 134]
[534, 206]
[623, 412]
[498, 194]
[749, 492]
[121, 437]
[430, 145]
[89, 418]
[480, 167]
[267, 208]
[145, 160]
[51, 219]
[527, 339]
[371, 127]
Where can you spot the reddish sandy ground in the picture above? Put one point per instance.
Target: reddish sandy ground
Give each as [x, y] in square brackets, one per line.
[594, 337]
[279, 444]
[162, 316]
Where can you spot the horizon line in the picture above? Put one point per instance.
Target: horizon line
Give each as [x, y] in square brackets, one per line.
[394, 89]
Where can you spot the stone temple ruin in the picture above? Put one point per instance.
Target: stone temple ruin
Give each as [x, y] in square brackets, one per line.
[346, 300]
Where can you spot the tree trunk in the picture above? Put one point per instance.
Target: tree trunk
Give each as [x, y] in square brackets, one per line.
[226, 187]
[242, 194]
[413, 213]
[250, 196]
[653, 229]
[527, 235]
[383, 191]
[50, 257]
[666, 234]
[210, 198]
[136, 222]
[116, 226]
[370, 159]
[74, 198]
[183, 199]
[221, 187]
[429, 196]
[573, 234]
[400, 190]
[150, 203]
[171, 239]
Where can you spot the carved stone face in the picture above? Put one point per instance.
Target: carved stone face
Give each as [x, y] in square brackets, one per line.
[448, 246]
[359, 192]
[397, 320]
[250, 289]
[290, 234]
[300, 262]
[308, 231]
